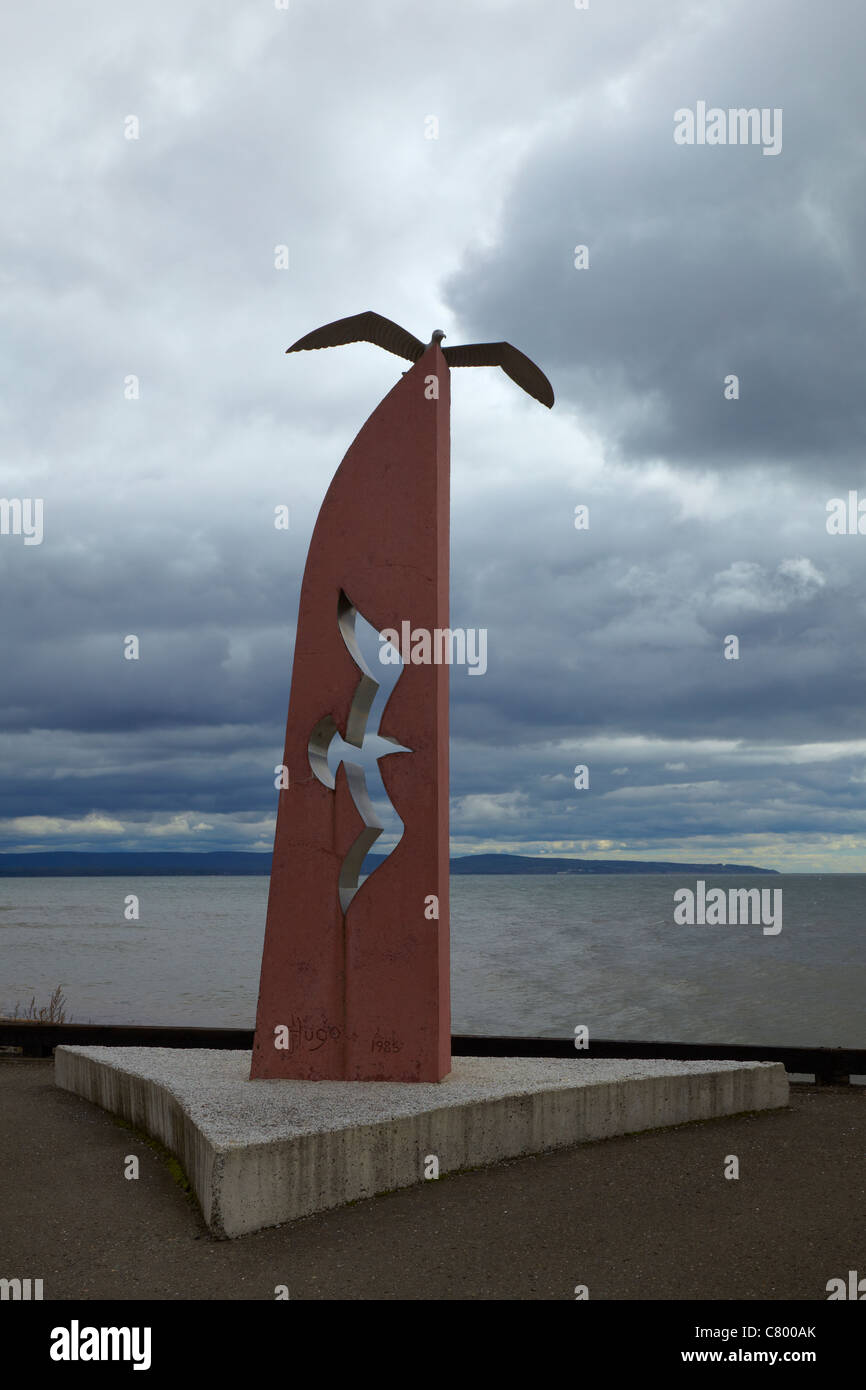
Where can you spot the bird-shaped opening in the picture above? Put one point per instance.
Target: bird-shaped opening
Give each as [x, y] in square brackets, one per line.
[363, 746]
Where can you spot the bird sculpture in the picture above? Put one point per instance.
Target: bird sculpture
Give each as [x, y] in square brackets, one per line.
[373, 328]
[355, 981]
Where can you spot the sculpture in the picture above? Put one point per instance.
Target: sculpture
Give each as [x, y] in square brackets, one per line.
[355, 982]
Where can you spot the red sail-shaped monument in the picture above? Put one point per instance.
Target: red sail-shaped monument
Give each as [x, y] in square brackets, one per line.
[355, 984]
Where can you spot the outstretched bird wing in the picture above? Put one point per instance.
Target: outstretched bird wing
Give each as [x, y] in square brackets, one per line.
[513, 362]
[363, 328]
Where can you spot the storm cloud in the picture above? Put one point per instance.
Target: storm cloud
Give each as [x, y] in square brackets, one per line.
[154, 259]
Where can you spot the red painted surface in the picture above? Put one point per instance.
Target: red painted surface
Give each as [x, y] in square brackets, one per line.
[365, 994]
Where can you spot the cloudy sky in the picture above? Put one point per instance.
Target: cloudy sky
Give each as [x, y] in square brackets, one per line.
[310, 127]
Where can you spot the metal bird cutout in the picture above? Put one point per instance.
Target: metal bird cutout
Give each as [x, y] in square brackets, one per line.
[373, 328]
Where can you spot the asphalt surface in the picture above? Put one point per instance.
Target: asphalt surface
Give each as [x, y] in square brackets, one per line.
[648, 1216]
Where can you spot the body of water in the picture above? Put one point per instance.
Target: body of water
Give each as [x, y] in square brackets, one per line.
[530, 955]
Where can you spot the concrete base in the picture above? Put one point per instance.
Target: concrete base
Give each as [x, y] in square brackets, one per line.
[259, 1153]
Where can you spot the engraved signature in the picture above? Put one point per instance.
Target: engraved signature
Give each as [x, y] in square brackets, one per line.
[300, 1036]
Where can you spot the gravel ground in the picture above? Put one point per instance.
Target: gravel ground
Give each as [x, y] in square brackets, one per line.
[647, 1216]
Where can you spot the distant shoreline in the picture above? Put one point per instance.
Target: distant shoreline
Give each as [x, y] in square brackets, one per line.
[218, 863]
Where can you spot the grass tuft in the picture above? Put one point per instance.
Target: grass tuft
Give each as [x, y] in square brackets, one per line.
[52, 1012]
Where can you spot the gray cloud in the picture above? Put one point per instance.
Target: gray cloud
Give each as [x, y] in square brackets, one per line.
[707, 517]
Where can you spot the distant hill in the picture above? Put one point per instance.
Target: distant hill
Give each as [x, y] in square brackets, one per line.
[523, 864]
[120, 864]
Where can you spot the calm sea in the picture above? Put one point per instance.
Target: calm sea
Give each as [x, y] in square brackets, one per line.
[530, 955]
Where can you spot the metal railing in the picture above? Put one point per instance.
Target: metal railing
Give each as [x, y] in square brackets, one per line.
[830, 1066]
